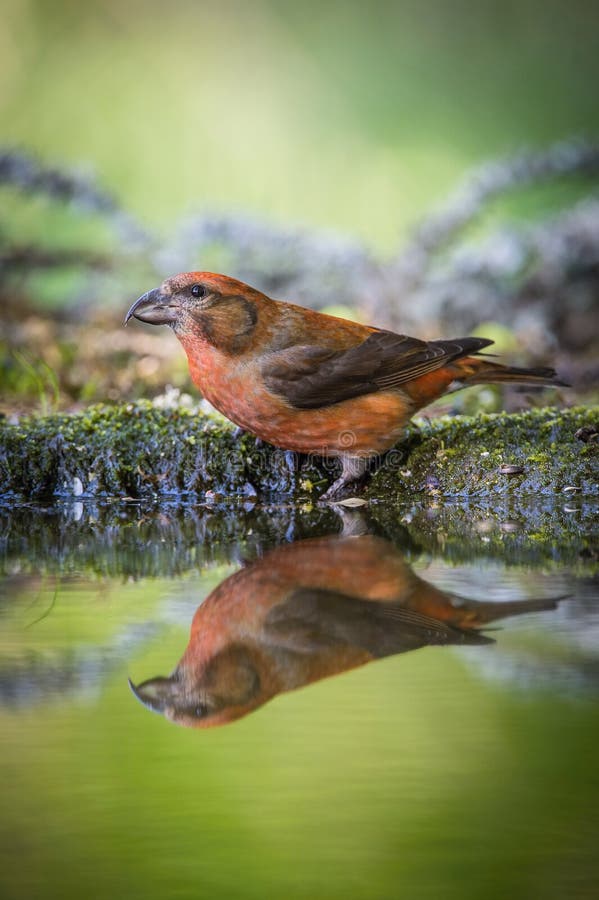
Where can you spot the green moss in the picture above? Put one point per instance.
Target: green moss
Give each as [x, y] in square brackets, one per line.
[463, 457]
[136, 450]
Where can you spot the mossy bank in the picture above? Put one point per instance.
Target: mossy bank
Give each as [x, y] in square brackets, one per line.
[540, 452]
[139, 451]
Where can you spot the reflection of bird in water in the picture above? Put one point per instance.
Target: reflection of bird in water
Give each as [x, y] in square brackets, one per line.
[305, 611]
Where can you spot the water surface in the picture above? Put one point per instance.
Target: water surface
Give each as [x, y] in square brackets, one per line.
[369, 713]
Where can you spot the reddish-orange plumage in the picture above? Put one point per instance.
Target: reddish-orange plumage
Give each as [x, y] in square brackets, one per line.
[309, 382]
[306, 611]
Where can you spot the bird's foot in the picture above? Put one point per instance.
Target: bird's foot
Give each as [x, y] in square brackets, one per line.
[351, 481]
[342, 488]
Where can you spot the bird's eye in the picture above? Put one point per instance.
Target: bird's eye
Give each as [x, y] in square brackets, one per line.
[198, 290]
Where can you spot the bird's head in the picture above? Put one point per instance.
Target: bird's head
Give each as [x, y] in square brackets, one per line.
[220, 690]
[202, 305]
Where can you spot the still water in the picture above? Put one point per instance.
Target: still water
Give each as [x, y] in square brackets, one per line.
[298, 702]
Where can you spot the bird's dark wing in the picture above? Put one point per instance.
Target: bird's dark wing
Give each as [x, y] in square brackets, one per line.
[313, 619]
[309, 376]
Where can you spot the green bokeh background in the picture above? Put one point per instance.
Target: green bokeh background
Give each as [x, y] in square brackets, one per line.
[348, 115]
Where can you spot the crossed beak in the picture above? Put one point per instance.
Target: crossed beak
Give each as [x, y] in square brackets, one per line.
[154, 693]
[155, 308]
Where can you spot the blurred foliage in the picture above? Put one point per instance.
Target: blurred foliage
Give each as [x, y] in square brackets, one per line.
[337, 114]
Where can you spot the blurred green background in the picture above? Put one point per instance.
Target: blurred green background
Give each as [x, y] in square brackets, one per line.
[341, 114]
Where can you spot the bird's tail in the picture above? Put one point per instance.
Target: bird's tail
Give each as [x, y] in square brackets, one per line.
[479, 613]
[483, 371]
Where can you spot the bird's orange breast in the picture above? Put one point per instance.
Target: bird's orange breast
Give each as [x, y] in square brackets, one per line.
[363, 426]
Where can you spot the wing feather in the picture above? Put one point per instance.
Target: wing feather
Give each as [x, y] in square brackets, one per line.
[312, 618]
[310, 376]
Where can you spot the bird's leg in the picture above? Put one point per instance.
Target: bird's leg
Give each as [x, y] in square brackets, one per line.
[353, 522]
[354, 469]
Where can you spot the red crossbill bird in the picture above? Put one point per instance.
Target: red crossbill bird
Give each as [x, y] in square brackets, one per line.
[306, 611]
[310, 382]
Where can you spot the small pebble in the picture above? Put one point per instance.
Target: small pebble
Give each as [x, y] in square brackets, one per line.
[511, 470]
